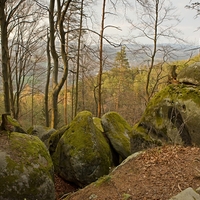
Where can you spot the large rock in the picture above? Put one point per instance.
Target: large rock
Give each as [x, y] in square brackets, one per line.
[42, 132]
[82, 154]
[26, 168]
[173, 116]
[118, 131]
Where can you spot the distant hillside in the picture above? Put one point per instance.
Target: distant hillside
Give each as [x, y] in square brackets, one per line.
[137, 56]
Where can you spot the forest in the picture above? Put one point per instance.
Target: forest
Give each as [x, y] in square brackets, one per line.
[57, 58]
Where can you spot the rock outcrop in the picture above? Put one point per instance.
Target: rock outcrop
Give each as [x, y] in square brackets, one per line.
[82, 154]
[26, 168]
[173, 114]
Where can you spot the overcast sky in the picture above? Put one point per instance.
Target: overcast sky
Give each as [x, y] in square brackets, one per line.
[188, 25]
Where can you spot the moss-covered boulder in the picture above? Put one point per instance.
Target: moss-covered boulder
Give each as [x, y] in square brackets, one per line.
[26, 168]
[118, 131]
[42, 132]
[82, 154]
[173, 116]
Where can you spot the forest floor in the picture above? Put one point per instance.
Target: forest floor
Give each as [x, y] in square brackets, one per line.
[156, 174]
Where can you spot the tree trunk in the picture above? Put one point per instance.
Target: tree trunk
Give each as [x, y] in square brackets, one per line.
[5, 56]
[65, 103]
[46, 100]
[55, 61]
[150, 93]
[101, 60]
[78, 57]
[57, 86]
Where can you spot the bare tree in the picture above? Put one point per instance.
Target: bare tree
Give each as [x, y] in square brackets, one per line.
[78, 55]
[17, 18]
[101, 58]
[156, 21]
[5, 17]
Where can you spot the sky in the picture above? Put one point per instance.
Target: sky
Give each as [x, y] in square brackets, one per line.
[189, 23]
[188, 26]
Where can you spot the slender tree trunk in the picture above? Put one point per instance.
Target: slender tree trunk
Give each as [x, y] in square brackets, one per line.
[148, 93]
[83, 90]
[66, 81]
[78, 58]
[72, 113]
[65, 103]
[5, 56]
[54, 54]
[46, 100]
[101, 60]
[32, 97]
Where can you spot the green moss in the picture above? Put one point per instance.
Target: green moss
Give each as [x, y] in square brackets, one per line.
[97, 122]
[118, 131]
[173, 95]
[30, 130]
[114, 119]
[126, 196]
[102, 180]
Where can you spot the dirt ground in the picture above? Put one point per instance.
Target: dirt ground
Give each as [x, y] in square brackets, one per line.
[157, 174]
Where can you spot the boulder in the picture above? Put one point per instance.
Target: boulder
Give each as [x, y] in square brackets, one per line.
[26, 168]
[118, 131]
[172, 116]
[82, 154]
[42, 132]
[187, 194]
